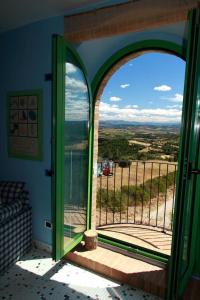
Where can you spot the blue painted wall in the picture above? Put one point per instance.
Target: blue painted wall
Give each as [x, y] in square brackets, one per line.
[25, 57]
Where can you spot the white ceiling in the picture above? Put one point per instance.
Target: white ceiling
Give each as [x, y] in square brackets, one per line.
[16, 13]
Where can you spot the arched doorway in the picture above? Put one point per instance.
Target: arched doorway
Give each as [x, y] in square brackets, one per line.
[131, 204]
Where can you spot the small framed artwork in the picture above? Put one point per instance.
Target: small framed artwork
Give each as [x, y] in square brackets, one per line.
[32, 130]
[23, 101]
[32, 102]
[25, 124]
[23, 117]
[14, 115]
[32, 116]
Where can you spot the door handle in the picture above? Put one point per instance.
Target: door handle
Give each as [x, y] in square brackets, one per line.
[192, 171]
[195, 171]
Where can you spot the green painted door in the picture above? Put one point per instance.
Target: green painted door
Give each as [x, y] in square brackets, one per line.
[188, 190]
[71, 147]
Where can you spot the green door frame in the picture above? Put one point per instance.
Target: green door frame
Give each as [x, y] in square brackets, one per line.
[147, 45]
[60, 46]
[187, 211]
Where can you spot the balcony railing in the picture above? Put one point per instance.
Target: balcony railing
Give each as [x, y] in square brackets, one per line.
[141, 192]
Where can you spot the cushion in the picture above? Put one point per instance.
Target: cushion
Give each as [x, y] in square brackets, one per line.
[10, 190]
[7, 211]
[24, 197]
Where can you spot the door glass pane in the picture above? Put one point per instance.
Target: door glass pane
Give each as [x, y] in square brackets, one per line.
[75, 152]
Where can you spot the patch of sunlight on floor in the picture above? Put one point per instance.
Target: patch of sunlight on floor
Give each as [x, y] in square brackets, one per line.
[37, 277]
[88, 279]
[38, 266]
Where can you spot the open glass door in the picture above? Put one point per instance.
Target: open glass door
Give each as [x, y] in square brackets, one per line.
[71, 147]
[187, 204]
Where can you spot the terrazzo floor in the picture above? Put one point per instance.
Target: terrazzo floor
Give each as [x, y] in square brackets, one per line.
[36, 277]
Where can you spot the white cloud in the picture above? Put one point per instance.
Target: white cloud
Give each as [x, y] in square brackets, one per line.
[70, 68]
[76, 100]
[75, 84]
[161, 115]
[177, 98]
[174, 106]
[131, 106]
[115, 99]
[125, 85]
[150, 102]
[76, 110]
[162, 88]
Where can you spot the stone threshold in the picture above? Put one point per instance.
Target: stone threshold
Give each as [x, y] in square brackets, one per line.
[137, 273]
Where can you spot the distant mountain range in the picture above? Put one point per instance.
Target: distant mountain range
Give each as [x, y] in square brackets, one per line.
[122, 124]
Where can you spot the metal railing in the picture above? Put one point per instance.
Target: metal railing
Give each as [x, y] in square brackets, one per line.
[138, 192]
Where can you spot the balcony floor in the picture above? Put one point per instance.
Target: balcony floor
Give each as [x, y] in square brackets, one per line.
[145, 236]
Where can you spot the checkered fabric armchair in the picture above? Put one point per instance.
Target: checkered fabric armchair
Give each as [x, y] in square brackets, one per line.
[15, 223]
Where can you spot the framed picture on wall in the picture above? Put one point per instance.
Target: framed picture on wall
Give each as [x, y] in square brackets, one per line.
[25, 124]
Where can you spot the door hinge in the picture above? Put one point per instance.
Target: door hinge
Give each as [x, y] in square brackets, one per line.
[49, 173]
[48, 77]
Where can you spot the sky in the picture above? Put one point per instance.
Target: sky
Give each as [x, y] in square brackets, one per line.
[76, 94]
[148, 88]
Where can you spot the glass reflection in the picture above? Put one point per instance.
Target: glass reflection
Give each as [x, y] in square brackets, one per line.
[76, 152]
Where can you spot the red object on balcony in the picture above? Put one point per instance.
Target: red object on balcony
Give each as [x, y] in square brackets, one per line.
[106, 171]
